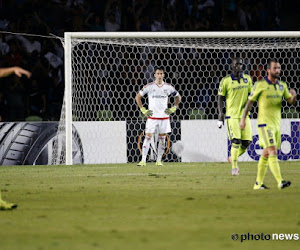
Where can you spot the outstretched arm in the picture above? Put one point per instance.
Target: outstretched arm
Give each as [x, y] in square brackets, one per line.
[246, 110]
[14, 70]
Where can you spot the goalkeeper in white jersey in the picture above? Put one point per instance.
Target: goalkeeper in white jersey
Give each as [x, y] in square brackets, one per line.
[158, 113]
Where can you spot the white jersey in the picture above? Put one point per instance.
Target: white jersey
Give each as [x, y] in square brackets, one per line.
[158, 98]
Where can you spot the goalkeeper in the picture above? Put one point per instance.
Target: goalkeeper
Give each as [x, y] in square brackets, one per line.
[3, 73]
[234, 89]
[158, 113]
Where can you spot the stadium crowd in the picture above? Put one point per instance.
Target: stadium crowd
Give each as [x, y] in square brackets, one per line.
[40, 97]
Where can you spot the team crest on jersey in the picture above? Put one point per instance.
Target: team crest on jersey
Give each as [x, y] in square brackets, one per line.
[245, 80]
[165, 91]
[281, 87]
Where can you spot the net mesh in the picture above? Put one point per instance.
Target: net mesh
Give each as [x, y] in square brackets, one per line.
[108, 73]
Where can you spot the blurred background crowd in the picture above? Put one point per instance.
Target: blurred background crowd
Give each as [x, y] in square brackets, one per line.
[40, 97]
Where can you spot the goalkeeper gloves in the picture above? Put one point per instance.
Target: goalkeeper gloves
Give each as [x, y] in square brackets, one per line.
[170, 110]
[146, 112]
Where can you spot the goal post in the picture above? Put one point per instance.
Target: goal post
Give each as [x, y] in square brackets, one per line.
[68, 98]
[115, 65]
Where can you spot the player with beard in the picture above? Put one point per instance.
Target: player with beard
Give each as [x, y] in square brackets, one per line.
[269, 93]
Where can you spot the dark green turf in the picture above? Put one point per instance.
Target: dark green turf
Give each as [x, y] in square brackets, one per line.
[178, 206]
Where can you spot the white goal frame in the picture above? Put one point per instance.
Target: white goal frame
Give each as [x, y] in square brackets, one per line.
[68, 36]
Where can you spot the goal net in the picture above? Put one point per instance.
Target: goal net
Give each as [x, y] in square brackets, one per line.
[104, 72]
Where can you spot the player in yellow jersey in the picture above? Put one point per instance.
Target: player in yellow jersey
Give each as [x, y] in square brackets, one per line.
[234, 89]
[269, 93]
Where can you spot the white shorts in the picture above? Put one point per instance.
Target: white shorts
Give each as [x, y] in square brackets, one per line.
[163, 126]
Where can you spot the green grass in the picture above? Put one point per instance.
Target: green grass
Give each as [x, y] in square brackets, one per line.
[178, 206]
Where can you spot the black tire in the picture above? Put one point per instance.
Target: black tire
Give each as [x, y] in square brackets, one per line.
[25, 143]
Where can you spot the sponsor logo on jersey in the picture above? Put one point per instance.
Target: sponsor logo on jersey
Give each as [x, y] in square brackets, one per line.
[159, 96]
[274, 96]
[240, 87]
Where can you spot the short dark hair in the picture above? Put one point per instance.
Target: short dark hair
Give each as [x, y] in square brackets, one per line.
[159, 68]
[270, 61]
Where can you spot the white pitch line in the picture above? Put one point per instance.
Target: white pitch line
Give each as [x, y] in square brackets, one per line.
[128, 174]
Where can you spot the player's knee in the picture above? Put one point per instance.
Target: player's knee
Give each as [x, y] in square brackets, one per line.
[236, 141]
[246, 143]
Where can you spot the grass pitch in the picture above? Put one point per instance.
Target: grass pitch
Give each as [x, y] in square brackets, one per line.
[178, 206]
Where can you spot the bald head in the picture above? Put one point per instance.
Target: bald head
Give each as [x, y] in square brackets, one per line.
[236, 66]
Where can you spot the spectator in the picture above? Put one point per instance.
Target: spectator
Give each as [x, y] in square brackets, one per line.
[2, 106]
[15, 55]
[14, 93]
[36, 99]
[111, 23]
[94, 22]
[158, 24]
[4, 47]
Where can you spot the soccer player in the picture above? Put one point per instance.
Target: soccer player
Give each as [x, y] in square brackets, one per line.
[158, 113]
[234, 90]
[269, 93]
[3, 73]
